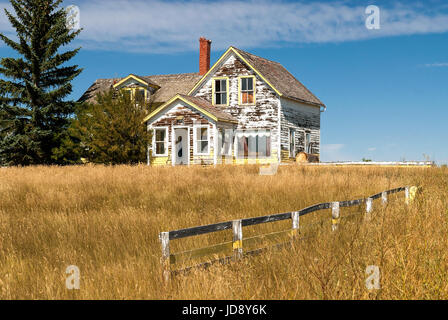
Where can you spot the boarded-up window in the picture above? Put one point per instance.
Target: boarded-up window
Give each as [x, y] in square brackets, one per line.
[247, 90]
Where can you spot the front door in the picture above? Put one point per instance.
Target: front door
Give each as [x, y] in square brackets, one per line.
[181, 146]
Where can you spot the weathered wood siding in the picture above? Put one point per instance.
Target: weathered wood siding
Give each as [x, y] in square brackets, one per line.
[262, 115]
[302, 118]
[191, 118]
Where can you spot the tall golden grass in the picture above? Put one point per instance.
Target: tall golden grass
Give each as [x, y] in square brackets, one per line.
[106, 221]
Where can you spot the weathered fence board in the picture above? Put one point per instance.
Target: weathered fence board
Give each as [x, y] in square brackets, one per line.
[239, 242]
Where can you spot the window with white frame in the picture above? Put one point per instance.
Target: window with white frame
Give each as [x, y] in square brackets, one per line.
[160, 142]
[220, 91]
[253, 144]
[247, 90]
[202, 140]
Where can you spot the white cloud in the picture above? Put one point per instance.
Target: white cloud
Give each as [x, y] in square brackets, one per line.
[158, 26]
[437, 65]
[371, 149]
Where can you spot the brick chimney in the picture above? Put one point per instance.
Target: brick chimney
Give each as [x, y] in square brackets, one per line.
[204, 55]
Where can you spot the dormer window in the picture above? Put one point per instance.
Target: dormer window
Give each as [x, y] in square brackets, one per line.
[247, 90]
[139, 88]
[138, 94]
[221, 91]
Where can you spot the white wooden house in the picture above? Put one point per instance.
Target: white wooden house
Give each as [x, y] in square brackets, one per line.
[244, 109]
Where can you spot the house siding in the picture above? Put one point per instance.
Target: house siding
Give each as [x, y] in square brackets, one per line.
[262, 115]
[191, 118]
[302, 118]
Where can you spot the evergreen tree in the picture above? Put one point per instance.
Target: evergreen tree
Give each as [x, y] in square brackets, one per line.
[33, 114]
[109, 131]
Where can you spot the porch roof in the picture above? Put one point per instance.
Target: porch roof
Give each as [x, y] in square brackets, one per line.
[201, 105]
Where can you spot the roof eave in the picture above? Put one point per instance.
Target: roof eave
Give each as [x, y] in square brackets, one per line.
[305, 101]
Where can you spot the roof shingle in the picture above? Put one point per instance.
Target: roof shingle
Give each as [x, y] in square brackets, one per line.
[170, 85]
[280, 78]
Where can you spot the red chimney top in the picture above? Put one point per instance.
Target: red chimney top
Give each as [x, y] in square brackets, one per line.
[204, 55]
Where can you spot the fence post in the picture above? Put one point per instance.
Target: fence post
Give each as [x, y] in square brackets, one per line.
[165, 241]
[334, 215]
[369, 207]
[410, 193]
[406, 195]
[295, 223]
[237, 227]
[384, 197]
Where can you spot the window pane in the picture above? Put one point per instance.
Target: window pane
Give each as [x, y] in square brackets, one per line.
[223, 85]
[218, 98]
[217, 85]
[250, 97]
[252, 147]
[223, 98]
[244, 97]
[264, 146]
[160, 135]
[160, 148]
[203, 133]
[204, 146]
[250, 85]
[244, 84]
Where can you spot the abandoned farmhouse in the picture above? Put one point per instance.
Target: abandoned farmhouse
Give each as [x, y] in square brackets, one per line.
[243, 109]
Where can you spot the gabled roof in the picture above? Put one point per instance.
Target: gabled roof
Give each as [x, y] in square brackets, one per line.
[170, 85]
[274, 74]
[200, 104]
[142, 80]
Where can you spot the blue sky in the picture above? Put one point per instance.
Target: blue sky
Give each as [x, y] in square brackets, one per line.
[386, 90]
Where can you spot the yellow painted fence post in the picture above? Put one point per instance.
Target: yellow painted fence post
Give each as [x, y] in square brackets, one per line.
[237, 227]
[334, 216]
[410, 193]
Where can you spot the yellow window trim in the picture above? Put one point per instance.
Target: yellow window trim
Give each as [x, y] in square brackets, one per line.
[208, 114]
[245, 61]
[131, 76]
[132, 90]
[239, 90]
[213, 91]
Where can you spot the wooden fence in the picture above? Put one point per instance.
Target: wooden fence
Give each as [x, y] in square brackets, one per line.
[236, 245]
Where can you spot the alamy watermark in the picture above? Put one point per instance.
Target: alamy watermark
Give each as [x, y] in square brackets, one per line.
[73, 18]
[373, 20]
[72, 282]
[373, 278]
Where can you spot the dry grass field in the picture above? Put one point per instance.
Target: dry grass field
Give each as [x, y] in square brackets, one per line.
[106, 221]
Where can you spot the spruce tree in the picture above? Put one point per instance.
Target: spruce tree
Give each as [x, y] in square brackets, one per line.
[110, 131]
[34, 115]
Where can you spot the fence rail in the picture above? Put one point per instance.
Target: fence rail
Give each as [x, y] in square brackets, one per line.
[236, 244]
[423, 164]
